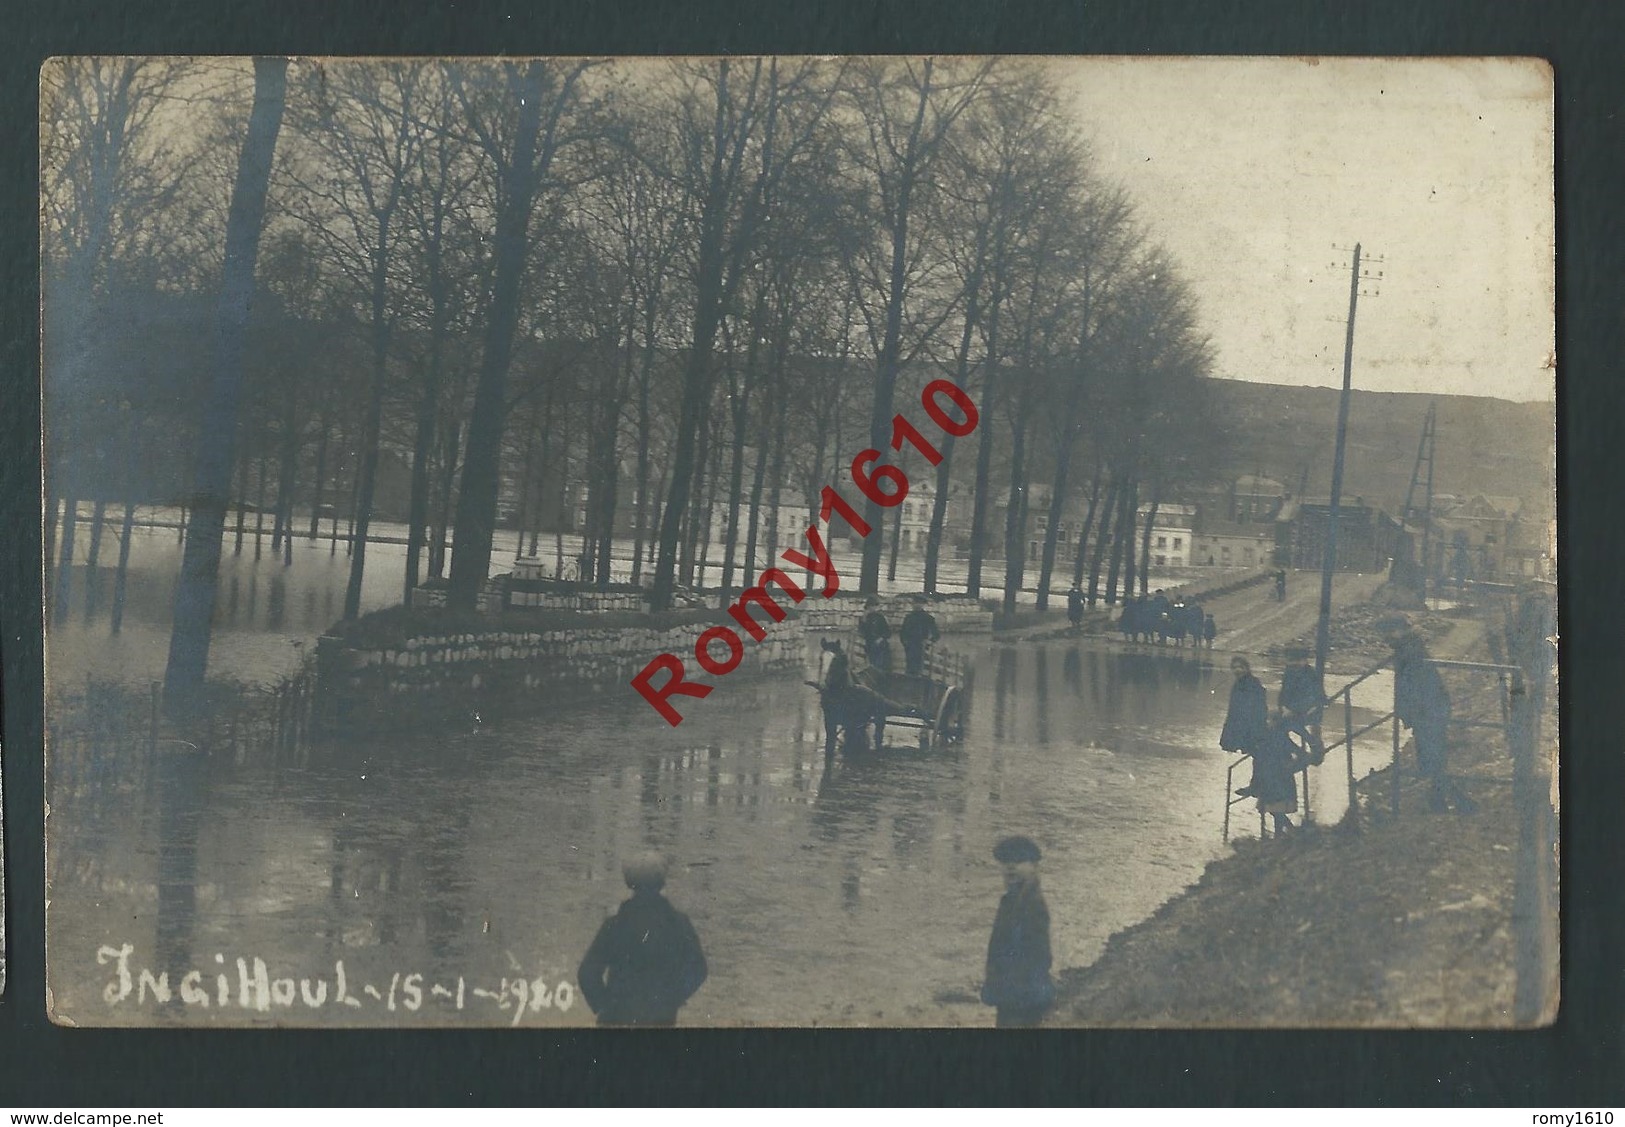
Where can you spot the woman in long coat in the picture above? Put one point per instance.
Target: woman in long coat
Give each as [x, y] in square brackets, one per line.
[1245, 722]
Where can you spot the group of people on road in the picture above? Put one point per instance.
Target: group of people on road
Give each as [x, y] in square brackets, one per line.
[1162, 618]
[646, 962]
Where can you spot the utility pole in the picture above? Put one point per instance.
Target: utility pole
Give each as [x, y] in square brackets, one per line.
[1329, 556]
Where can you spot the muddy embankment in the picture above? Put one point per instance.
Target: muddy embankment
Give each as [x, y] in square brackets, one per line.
[1383, 920]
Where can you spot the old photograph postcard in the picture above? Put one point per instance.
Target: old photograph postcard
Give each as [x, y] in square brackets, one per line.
[850, 541]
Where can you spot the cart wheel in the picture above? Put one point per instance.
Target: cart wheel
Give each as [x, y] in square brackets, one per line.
[950, 717]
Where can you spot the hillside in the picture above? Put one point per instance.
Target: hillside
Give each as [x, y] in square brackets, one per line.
[1485, 445]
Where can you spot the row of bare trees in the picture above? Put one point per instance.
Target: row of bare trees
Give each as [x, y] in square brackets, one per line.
[703, 283]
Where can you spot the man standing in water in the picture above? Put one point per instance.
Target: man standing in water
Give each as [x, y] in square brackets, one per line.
[1018, 984]
[646, 960]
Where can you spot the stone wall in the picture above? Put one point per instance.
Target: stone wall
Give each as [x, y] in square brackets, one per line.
[957, 615]
[446, 679]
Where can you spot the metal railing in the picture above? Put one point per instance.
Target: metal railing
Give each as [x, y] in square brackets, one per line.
[1351, 733]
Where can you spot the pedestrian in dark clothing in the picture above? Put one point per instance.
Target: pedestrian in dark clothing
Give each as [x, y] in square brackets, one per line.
[1423, 704]
[876, 634]
[1157, 620]
[1303, 696]
[1210, 631]
[1249, 709]
[1280, 586]
[1018, 983]
[646, 960]
[1074, 606]
[1276, 759]
[919, 628]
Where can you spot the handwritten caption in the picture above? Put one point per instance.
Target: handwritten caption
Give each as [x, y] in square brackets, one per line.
[251, 987]
[881, 482]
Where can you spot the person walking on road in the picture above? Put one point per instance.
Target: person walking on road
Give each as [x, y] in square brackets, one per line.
[1210, 631]
[645, 961]
[1280, 586]
[1074, 606]
[1423, 705]
[1017, 983]
[919, 627]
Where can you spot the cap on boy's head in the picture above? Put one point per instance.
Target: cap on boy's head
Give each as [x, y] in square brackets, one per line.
[646, 870]
[871, 601]
[829, 645]
[1393, 626]
[1014, 850]
[919, 600]
[1297, 651]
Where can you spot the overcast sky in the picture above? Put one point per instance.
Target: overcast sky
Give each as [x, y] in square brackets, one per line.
[1249, 171]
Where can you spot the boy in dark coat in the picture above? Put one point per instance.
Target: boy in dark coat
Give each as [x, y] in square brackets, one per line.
[1210, 631]
[1017, 983]
[918, 628]
[1074, 606]
[646, 960]
[1303, 696]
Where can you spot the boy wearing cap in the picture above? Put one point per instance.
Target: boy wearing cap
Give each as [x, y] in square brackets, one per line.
[646, 960]
[1017, 983]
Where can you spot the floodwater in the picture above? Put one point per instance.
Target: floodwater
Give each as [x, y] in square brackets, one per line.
[268, 614]
[456, 877]
[861, 893]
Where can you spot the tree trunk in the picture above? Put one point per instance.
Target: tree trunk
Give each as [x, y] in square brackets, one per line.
[1103, 536]
[319, 481]
[1015, 517]
[64, 567]
[417, 523]
[259, 507]
[1145, 537]
[194, 602]
[98, 516]
[448, 478]
[125, 532]
[287, 482]
[1088, 523]
[477, 499]
[1057, 505]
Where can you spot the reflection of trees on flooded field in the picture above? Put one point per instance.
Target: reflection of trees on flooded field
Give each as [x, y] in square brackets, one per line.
[662, 303]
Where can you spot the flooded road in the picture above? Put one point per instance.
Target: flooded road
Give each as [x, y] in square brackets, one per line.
[477, 860]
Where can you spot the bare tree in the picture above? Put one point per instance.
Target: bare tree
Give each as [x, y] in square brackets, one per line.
[907, 109]
[520, 117]
[194, 598]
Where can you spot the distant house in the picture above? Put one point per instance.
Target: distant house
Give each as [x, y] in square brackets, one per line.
[1173, 535]
[1229, 544]
[1255, 499]
[1365, 537]
[1481, 537]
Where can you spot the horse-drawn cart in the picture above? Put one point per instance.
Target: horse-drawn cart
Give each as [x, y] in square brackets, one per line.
[933, 702]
